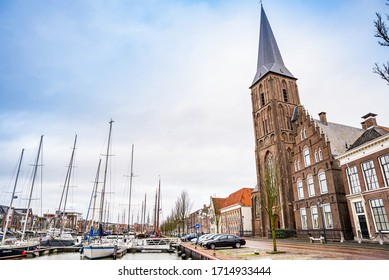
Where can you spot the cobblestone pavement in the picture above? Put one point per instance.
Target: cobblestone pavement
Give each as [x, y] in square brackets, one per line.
[289, 249]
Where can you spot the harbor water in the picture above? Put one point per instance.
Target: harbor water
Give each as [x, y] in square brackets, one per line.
[128, 256]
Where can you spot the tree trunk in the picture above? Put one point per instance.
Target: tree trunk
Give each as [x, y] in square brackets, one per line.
[273, 232]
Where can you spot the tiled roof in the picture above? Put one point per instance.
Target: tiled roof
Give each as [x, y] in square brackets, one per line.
[217, 204]
[370, 135]
[340, 136]
[242, 197]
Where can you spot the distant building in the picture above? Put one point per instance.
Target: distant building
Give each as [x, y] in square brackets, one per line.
[201, 218]
[215, 205]
[236, 213]
[365, 171]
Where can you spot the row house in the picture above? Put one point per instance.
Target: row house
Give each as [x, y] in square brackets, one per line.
[320, 206]
[236, 213]
[201, 218]
[17, 217]
[365, 171]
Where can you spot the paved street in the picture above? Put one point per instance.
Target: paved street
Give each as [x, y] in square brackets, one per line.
[302, 250]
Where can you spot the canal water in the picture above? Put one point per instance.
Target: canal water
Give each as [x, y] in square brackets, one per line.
[128, 256]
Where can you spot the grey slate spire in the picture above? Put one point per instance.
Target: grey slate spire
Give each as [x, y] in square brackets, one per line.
[269, 56]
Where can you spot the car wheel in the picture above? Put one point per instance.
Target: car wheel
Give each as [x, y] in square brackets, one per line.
[237, 245]
[212, 246]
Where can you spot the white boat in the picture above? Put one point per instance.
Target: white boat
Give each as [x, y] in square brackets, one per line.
[101, 248]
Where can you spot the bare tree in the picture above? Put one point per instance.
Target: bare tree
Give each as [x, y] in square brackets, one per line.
[269, 193]
[182, 209]
[382, 34]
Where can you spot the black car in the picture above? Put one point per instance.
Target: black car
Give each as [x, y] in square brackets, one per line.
[225, 240]
[189, 237]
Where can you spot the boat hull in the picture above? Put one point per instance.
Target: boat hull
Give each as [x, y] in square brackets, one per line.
[98, 251]
[57, 242]
[14, 251]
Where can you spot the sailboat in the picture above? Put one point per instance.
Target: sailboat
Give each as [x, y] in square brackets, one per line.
[101, 247]
[19, 248]
[57, 236]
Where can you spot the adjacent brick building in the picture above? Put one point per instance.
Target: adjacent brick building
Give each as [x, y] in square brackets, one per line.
[365, 171]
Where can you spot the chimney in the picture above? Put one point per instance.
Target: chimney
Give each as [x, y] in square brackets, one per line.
[323, 118]
[369, 121]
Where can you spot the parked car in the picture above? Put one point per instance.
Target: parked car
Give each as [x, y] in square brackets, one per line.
[207, 238]
[189, 237]
[200, 239]
[225, 240]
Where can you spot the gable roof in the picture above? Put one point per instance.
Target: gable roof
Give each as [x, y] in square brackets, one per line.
[242, 197]
[217, 203]
[340, 136]
[369, 135]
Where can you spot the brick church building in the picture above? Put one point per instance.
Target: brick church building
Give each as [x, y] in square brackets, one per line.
[312, 196]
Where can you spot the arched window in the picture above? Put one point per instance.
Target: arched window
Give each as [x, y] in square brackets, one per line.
[311, 185]
[322, 182]
[307, 157]
[300, 189]
[320, 155]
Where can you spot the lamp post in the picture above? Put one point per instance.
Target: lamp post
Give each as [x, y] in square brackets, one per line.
[320, 205]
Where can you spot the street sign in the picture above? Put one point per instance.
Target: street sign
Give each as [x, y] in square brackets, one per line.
[197, 225]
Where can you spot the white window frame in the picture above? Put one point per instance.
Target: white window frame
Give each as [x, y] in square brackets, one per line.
[304, 218]
[378, 211]
[300, 189]
[307, 156]
[370, 175]
[315, 217]
[311, 185]
[384, 163]
[328, 221]
[320, 155]
[353, 179]
[323, 187]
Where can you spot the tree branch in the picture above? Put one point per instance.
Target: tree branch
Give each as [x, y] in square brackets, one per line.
[381, 31]
[382, 72]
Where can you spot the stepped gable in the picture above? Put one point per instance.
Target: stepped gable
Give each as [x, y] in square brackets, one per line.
[242, 197]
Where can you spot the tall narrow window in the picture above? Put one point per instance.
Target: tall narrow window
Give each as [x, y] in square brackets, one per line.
[307, 158]
[353, 180]
[315, 217]
[300, 190]
[320, 155]
[285, 94]
[262, 99]
[322, 182]
[328, 216]
[384, 160]
[379, 214]
[316, 156]
[370, 175]
[311, 185]
[304, 221]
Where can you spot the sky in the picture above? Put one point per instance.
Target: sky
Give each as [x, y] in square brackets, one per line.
[174, 77]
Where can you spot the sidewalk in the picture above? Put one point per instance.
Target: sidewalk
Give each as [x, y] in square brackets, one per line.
[294, 249]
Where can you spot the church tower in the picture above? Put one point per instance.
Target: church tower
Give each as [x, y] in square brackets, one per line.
[274, 96]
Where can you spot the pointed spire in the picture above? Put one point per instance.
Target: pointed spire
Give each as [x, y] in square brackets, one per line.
[269, 56]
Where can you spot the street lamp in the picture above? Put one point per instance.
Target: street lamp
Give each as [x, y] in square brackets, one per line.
[320, 205]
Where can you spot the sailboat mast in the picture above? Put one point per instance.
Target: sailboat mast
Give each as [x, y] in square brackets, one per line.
[158, 203]
[67, 185]
[129, 197]
[13, 197]
[93, 196]
[105, 174]
[32, 187]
